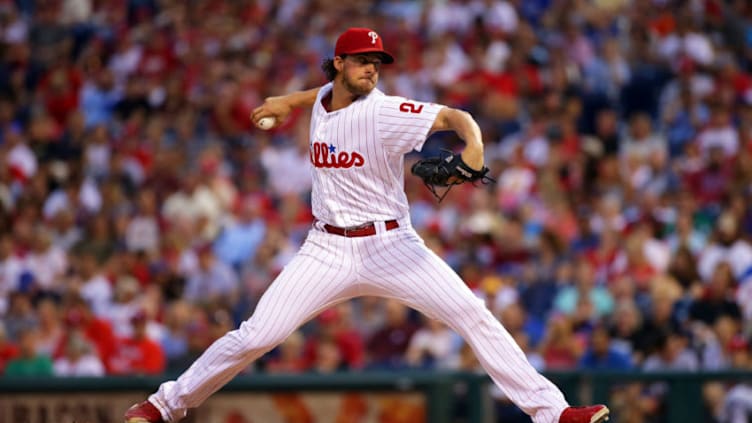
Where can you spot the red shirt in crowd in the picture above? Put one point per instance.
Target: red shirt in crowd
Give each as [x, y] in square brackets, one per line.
[60, 88]
[97, 331]
[350, 346]
[8, 352]
[138, 355]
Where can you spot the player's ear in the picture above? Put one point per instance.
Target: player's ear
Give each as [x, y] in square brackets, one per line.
[339, 63]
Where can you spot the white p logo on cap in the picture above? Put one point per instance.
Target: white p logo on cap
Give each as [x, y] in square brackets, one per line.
[373, 36]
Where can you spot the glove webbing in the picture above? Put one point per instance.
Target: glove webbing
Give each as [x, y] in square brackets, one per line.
[457, 163]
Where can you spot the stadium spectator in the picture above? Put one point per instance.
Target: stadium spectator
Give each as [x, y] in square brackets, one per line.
[241, 237]
[8, 349]
[137, 354]
[387, 347]
[79, 318]
[672, 353]
[28, 362]
[584, 289]
[290, 356]
[144, 227]
[94, 286]
[560, 348]
[518, 322]
[737, 405]
[717, 300]
[727, 245]
[328, 358]
[21, 315]
[174, 342]
[50, 325]
[368, 315]
[602, 355]
[79, 359]
[433, 346]
[11, 267]
[625, 325]
[197, 339]
[213, 281]
[46, 261]
[335, 327]
[98, 98]
[20, 159]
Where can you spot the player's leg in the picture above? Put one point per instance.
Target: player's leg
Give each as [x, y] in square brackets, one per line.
[320, 275]
[397, 264]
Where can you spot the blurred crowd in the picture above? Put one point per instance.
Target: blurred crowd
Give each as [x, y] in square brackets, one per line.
[142, 215]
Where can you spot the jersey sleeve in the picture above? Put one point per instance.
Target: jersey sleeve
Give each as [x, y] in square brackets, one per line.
[403, 124]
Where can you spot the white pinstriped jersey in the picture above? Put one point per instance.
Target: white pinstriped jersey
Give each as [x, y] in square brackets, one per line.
[358, 152]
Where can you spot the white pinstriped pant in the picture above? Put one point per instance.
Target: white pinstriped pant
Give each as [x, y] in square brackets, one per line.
[329, 269]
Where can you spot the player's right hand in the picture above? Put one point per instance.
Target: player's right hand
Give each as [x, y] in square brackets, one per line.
[275, 107]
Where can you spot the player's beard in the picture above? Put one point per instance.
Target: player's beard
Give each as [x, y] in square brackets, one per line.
[358, 87]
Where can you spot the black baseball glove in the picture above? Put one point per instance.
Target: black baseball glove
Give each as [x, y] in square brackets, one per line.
[447, 171]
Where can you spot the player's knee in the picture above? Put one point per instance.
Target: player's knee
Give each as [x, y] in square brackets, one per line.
[256, 337]
[474, 315]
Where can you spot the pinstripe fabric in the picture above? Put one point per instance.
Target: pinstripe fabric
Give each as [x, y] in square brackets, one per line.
[321, 275]
[379, 128]
[358, 172]
[330, 269]
[397, 264]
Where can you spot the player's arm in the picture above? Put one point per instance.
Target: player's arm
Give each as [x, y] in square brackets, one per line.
[463, 124]
[281, 106]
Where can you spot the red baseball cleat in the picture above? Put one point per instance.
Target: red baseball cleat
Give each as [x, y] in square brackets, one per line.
[590, 414]
[143, 412]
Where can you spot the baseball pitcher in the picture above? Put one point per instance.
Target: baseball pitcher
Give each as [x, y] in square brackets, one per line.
[362, 243]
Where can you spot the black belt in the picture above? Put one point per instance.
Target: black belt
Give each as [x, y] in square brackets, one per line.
[366, 229]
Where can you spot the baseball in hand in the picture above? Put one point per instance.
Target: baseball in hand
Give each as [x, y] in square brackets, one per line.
[266, 123]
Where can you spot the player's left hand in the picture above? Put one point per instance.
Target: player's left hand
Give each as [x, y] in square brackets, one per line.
[276, 107]
[448, 171]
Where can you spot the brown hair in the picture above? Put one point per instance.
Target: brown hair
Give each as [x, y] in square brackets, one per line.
[329, 70]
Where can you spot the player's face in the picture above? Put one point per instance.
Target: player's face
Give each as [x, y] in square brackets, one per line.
[360, 73]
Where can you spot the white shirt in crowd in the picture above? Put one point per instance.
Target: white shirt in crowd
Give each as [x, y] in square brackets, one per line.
[87, 365]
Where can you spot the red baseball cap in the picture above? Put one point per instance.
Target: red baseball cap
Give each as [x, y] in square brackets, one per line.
[361, 40]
